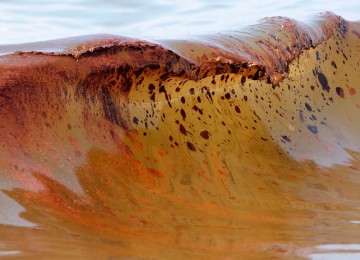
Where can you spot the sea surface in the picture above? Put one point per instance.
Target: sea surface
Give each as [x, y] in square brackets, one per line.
[24, 21]
[223, 134]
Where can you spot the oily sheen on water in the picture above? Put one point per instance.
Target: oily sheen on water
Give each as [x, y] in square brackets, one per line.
[241, 144]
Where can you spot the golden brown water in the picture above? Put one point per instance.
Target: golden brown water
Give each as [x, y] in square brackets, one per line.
[234, 146]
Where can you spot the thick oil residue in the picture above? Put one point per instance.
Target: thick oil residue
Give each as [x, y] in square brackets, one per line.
[234, 145]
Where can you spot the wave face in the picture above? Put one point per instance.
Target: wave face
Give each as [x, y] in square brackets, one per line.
[241, 144]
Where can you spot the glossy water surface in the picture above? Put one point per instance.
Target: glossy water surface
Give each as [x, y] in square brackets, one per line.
[240, 145]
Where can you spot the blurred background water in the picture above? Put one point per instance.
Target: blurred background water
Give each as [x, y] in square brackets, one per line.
[28, 21]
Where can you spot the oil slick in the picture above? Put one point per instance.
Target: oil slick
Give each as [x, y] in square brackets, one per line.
[243, 144]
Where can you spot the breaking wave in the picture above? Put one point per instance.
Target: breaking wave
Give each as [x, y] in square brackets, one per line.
[215, 145]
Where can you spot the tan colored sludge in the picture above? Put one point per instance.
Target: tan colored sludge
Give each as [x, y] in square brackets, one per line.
[171, 155]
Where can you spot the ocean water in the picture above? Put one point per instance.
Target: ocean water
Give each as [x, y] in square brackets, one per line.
[219, 137]
[38, 20]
